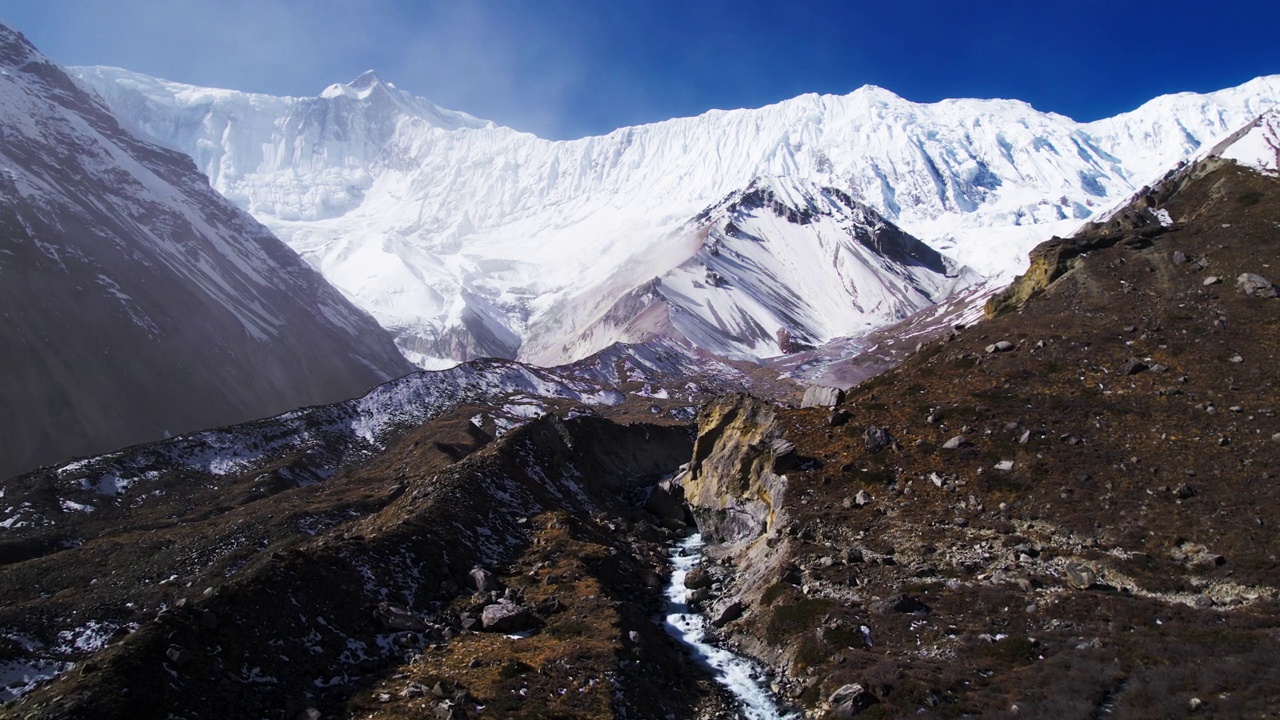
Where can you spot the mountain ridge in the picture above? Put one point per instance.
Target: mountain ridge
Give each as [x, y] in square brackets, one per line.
[438, 228]
[139, 302]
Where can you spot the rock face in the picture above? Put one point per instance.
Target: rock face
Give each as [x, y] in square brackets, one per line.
[138, 301]
[732, 487]
[666, 501]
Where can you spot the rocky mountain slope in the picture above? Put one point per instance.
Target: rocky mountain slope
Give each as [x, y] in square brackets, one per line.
[1057, 512]
[377, 509]
[468, 239]
[137, 301]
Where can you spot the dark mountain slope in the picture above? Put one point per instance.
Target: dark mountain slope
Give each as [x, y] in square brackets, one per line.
[137, 301]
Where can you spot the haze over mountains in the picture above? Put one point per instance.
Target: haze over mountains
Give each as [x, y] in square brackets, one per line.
[468, 239]
[137, 302]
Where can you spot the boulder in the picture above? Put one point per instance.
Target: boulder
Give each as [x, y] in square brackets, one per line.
[999, 347]
[850, 700]
[697, 579]
[818, 396]
[727, 613]
[877, 439]
[505, 617]
[482, 580]
[1256, 286]
[1080, 576]
[784, 455]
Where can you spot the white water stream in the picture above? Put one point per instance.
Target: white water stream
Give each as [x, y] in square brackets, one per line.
[742, 677]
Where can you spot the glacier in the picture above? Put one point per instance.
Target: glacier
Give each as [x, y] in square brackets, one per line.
[469, 239]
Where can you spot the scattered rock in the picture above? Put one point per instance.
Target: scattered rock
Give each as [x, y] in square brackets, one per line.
[862, 499]
[1184, 491]
[958, 441]
[1001, 346]
[1025, 438]
[877, 439]
[901, 604]
[1211, 280]
[1180, 258]
[1133, 367]
[1256, 286]
[1004, 465]
[1235, 359]
[850, 700]
[818, 396]
[550, 606]
[392, 617]
[505, 617]
[838, 418]
[1080, 576]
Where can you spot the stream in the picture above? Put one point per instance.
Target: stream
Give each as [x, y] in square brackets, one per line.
[742, 677]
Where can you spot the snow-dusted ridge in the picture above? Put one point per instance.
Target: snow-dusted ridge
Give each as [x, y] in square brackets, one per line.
[469, 239]
[332, 436]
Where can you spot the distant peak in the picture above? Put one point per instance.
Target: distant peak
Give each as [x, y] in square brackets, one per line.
[366, 84]
[366, 80]
[877, 91]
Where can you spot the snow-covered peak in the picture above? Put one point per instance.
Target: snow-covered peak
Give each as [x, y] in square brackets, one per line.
[470, 239]
[365, 81]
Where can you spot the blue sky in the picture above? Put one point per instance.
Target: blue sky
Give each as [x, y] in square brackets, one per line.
[569, 68]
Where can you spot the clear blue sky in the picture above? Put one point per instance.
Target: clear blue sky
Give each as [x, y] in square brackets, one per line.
[563, 68]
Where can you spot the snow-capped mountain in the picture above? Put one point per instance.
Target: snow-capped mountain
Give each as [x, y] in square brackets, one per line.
[469, 239]
[137, 301]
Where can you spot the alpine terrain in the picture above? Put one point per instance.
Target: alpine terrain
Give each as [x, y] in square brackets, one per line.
[843, 407]
[137, 301]
[467, 239]
[1059, 511]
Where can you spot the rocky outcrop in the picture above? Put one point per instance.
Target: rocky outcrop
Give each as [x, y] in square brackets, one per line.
[732, 485]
